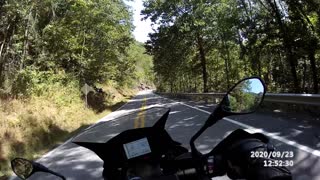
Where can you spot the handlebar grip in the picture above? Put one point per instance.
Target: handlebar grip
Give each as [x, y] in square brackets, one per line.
[192, 168]
[184, 166]
[186, 162]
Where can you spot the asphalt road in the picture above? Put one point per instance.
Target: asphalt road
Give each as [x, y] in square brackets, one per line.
[185, 119]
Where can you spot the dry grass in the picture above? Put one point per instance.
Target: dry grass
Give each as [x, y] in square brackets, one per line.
[30, 127]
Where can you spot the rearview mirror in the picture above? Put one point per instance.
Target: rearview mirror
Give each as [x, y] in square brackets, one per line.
[244, 97]
[23, 168]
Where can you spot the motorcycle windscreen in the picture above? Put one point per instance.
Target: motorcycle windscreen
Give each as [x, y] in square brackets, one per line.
[102, 132]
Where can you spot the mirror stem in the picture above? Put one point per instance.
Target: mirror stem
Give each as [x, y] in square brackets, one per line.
[212, 119]
[42, 168]
[194, 150]
[57, 174]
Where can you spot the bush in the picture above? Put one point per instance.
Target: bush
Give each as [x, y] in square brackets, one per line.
[23, 83]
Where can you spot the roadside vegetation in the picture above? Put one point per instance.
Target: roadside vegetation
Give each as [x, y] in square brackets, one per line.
[29, 127]
[48, 50]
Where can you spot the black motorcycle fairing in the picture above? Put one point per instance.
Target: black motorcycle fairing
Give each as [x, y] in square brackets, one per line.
[115, 161]
[113, 154]
[112, 151]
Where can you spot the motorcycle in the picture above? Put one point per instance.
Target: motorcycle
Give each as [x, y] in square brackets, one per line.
[150, 153]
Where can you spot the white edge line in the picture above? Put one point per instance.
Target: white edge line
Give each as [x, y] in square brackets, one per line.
[271, 135]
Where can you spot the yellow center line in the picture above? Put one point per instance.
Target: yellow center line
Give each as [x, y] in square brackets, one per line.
[143, 117]
[140, 119]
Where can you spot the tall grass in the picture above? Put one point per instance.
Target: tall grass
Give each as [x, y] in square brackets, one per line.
[31, 126]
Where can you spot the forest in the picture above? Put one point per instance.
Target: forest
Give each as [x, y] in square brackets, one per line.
[207, 45]
[86, 41]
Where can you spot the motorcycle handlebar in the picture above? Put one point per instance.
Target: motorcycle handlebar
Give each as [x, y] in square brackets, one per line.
[186, 167]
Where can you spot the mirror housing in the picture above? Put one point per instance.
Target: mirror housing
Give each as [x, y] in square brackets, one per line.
[24, 168]
[222, 110]
[257, 93]
[244, 97]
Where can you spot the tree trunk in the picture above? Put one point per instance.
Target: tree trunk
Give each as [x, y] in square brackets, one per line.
[180, 85]
[203, 63]
[4, 42]
[287, 42]
[227, 72]
[195, 86]
[25, 45]
[226, 62]
[189, 87]
[304, 79]
[1, 63]
[2, 47]
[268, 76]
[259, 67]
[314, 71]
[294, 72]
[3, 52]
[1, 74]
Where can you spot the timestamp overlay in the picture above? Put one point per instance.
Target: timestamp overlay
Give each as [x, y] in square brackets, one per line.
[275, 158]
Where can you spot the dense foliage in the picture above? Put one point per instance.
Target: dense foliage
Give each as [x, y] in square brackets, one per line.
[66, 41]
[207, 45]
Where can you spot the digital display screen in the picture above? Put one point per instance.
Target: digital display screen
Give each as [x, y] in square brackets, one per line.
[137, 148]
